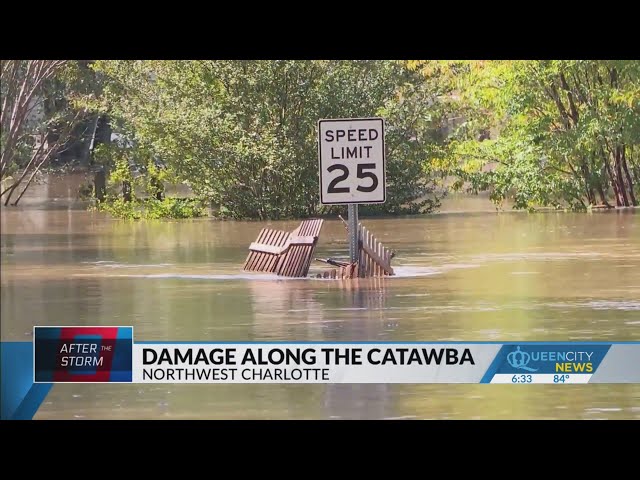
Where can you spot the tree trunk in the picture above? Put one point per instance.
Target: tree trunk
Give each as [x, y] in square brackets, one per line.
[614, 182]
[588, 187]
[100, 185]
[33, 175]
[41, 161]
[86, 138]
[158, 188]
[601, 194]
[103, 132]
[10, 191]
[126, 191]
[621, 186]
[628, 175]
[25, 171]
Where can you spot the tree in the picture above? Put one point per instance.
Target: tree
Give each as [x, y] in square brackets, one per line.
[37, 118]
[243, 133]
[566, 132]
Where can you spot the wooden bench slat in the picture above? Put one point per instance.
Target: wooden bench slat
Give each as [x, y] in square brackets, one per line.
[280, 241]
[263, 256]
[277, 250]
[252, 258]
[296, 260]
[259, 260]
[303, 240]
[264, 248]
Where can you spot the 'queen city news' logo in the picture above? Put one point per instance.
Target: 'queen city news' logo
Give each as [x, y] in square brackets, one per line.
[553, 358]
[83, 354]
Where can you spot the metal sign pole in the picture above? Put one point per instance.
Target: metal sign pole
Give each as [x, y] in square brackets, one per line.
[353, 232]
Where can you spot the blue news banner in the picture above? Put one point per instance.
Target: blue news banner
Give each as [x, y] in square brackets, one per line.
[389, 362]
[110, 354]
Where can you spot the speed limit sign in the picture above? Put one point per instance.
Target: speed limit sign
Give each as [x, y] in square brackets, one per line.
[352, 161]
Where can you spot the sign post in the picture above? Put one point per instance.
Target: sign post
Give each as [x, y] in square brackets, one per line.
[352, 222]
[352, 166]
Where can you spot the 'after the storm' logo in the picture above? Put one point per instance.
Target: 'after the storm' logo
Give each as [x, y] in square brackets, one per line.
[83, 354]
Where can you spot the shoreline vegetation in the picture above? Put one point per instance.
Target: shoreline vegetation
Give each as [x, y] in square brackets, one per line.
[241, 136]
[78, 194]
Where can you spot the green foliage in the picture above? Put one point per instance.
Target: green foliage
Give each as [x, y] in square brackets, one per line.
[149, 182]
[242, 134]
[121, 172]
[173, 208]
[152, 209]
[118, 208]
[566, 132]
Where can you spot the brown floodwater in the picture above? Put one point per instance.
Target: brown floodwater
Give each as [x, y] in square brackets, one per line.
[469, 274]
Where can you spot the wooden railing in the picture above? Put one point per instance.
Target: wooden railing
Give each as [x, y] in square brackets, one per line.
[374, 259]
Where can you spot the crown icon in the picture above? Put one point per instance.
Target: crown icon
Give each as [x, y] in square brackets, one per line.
[520, 360]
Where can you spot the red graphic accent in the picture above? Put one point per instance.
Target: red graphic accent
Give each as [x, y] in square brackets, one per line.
[103, 372]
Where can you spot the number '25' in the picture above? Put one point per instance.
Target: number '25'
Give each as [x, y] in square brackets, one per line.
[361, 173]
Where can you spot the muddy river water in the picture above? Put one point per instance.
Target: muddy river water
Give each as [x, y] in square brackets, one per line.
[461, 276]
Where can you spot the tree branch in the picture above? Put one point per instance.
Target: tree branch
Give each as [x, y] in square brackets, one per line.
[553, 94]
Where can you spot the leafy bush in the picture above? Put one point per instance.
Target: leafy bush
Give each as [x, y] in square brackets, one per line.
[152, 209]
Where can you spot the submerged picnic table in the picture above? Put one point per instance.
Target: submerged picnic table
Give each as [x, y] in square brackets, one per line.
[289, 254]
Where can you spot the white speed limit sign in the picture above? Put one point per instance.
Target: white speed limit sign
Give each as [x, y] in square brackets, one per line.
[352, 161]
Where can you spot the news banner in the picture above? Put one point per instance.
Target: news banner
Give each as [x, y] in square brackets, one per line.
[109, 354]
